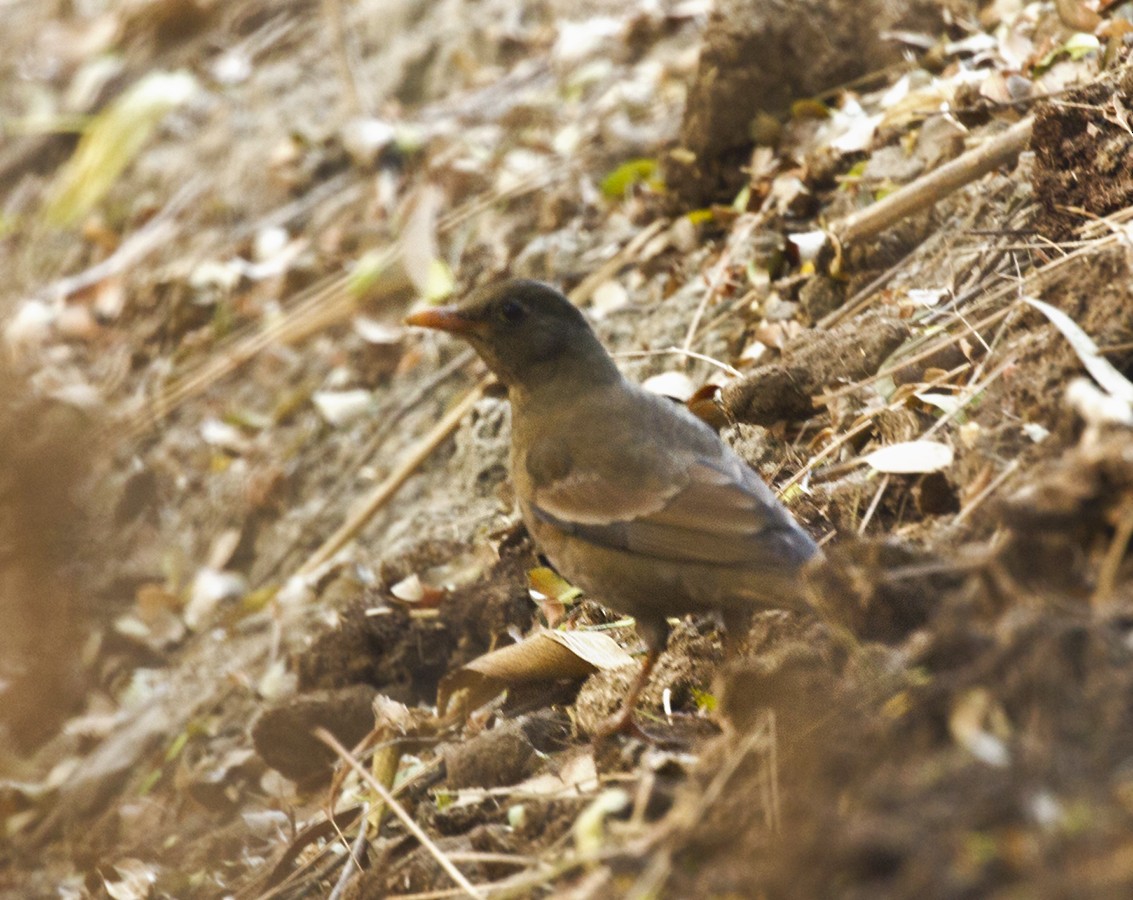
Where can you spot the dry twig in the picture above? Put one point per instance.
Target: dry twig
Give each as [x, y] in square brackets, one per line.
[398, 810]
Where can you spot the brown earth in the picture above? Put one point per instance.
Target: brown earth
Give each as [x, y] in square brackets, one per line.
[954, 718]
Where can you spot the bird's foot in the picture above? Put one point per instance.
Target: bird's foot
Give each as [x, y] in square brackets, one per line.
[621, 722]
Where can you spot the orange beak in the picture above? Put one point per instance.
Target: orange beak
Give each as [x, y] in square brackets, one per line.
[443, 318]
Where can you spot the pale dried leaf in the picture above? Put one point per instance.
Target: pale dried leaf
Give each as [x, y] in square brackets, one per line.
[135, 882]
[946, 403]
[1102, 370]
[670, 384]
[1097, 407]
[910, 457]
[339, 408]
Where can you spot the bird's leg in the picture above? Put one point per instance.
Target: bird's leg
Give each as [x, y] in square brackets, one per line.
[623, 722]
[655, 633]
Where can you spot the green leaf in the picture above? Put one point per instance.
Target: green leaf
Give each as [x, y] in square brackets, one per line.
[637, 171]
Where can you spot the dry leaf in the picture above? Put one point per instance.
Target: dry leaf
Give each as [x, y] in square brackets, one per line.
[112, 141]
[910, 457]
[1102, 370]
[543, 656]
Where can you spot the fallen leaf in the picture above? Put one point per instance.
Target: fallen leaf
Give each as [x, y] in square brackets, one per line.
[910, 457]
[1102, 370]
[111, 142]
[670, 384]
[543, 656]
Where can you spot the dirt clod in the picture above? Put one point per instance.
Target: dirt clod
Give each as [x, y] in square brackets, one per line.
[282, 734]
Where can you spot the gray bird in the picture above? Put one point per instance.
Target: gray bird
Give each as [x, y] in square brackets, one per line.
[630, 496]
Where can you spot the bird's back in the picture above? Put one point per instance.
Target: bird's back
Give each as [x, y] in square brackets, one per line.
[652, 502]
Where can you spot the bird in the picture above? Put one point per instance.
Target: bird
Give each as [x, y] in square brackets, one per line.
[629, 495]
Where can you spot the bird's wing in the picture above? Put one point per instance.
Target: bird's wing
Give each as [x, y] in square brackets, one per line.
[706, 508]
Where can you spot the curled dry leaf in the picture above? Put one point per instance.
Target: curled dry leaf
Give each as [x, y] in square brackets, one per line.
[551, 592]
[1075, 14]
[543, 656]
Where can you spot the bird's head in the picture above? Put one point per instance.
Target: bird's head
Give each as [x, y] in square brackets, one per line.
[526, 331]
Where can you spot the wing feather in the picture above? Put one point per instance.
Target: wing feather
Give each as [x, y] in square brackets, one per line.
[687, 498]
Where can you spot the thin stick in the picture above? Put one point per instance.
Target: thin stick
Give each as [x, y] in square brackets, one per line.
[653, 879]
[389, 421]
[866, 421]
[355, 857]
[776, 811]
[970, 394]
[382, 493]
[718, 277]
[323, 305]
[1032, 277]
[826, 451]
[407, 820]
[506, 859]
[930, 351]
[679, 351]
[927, 190]
[157, 232]
[874, 503]
[870, 294]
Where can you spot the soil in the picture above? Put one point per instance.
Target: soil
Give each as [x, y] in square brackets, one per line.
[206, 376]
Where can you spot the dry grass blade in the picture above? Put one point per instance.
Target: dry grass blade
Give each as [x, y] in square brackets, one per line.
[390, 801]
[332, 10]
[680, 351]
[1102, 370]
[1114, 557]
[328, 303]
[325, 306]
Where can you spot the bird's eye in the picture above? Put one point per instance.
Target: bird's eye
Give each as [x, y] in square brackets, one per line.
[512, 311]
